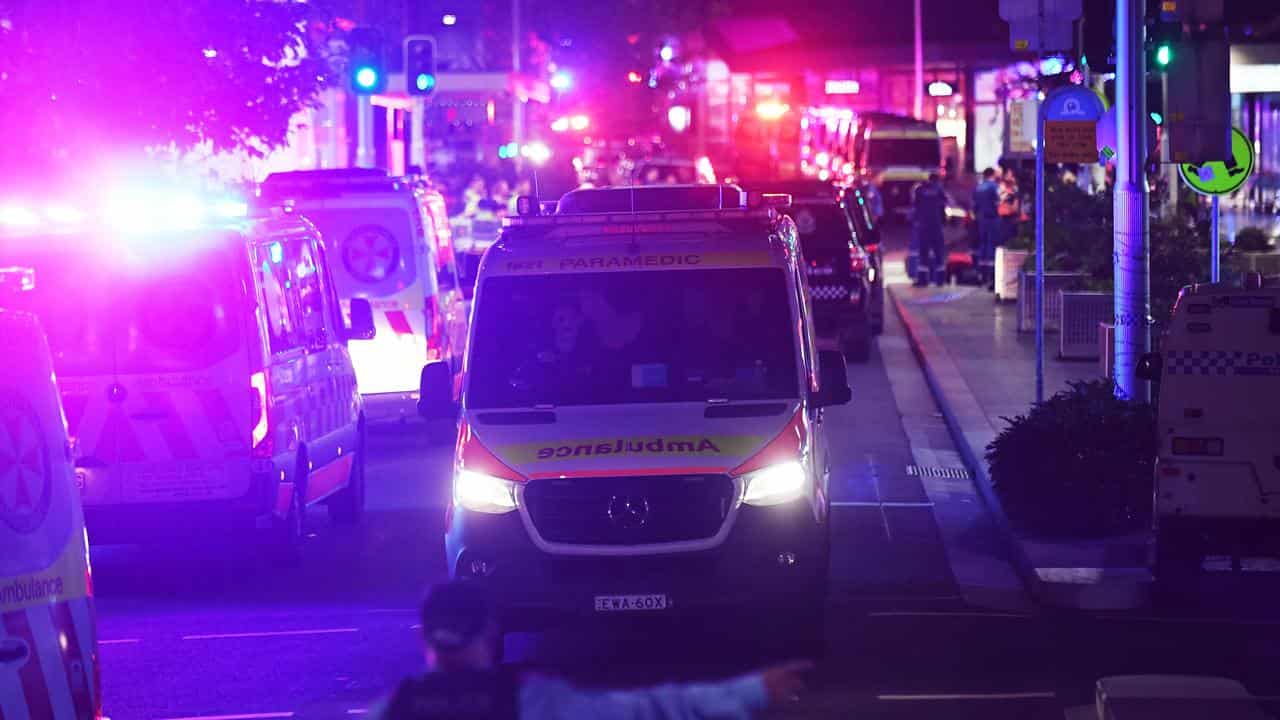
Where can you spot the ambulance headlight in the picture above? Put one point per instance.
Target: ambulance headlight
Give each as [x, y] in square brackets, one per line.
[483, 493]
[776, 484]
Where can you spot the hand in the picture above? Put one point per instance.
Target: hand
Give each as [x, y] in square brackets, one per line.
[783, 682]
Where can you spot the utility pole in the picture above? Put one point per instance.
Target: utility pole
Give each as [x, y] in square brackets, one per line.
[517, 107]
[1131, 263]
[919, 60]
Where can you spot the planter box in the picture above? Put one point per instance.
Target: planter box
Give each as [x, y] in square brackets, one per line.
[1082, 312]
[1054, 282]
[1008, 264]
[1107, 349]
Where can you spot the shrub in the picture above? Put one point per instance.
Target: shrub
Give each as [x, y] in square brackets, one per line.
[1081, 463]
[1252, 239]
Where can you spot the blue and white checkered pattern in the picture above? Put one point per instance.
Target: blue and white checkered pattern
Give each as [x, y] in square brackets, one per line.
[1202, 362]
[829, 292]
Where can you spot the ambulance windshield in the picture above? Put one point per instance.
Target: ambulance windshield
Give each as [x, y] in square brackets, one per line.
[104, 316]
[651, 336]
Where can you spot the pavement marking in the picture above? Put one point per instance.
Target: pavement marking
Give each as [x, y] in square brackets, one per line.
[875, 483]
[949, 613]
[872, 503]
[120, 641]
[358, 711]
[392, 610]
[241, 716]
[1190, 620]
[1092, 575]
[270, 633]
[972, 696]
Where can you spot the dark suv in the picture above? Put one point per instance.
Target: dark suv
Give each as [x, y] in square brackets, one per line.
[838, 265]
[857, 207]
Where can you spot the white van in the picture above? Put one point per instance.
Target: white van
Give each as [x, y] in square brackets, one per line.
[641, 425]
[48, 635]
[895, 153]
[1218, 469]
[391, 245]
[204, 373]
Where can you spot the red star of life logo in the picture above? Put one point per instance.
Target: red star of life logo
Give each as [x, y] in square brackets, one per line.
[26, 477]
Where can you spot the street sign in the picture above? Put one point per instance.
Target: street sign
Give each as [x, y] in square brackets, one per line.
[1041, 25]
[1022, 128]
[1216, 178]
[1071, 117]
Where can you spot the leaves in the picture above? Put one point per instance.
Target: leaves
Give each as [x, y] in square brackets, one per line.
[82, 79]
[1079, 463]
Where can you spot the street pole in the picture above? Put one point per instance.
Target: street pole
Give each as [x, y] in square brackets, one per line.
[1130, 249]
[1040, 213]
[919, 60]
[517, 107]
[365, 153]
[1214, 240]
[418, 134]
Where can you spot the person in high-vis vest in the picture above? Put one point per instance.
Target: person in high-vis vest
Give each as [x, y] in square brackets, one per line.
[464, 680]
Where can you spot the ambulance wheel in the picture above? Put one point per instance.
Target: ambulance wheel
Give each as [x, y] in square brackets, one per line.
[346, 507]
[286, 536]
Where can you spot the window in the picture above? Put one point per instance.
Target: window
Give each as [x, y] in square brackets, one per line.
[300, 255]
[283, 319]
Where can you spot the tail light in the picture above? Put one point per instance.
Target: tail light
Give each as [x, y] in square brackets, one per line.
[435, 330]
[1198, 446]
[857, 260]
[872, 248]
[258, 394]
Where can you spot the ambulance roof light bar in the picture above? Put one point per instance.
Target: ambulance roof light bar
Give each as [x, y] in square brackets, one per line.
[652, 199]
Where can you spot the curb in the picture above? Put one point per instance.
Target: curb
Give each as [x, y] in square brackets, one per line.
[1123, 593]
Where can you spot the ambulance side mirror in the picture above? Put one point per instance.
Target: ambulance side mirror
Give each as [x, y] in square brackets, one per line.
[833, 379]
[1149, 367]
[435, 392]
[360, 326]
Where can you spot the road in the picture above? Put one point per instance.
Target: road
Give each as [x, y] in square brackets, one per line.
[925, 620]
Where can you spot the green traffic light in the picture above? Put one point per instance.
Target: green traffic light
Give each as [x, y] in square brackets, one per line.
[366, 78]
[425, 81]
[1164, 55]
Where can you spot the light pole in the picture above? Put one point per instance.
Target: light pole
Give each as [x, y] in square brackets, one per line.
[918, 108]
[1131, 255]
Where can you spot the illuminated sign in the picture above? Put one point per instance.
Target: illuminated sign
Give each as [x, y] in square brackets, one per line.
[940, 88]
[842, 87]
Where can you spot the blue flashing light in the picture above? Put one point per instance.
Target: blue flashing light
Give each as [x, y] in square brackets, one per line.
[277, 253]
[561, 80]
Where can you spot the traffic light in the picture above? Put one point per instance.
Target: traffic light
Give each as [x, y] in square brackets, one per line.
[366, 61]
[420, 64]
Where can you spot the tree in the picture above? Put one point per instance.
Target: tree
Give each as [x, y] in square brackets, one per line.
[80, 79]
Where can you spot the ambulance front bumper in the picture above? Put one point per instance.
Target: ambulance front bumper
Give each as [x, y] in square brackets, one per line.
[771, 558]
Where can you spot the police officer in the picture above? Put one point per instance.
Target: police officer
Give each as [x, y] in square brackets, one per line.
[986, 210]
[929, 204]
[464, 680]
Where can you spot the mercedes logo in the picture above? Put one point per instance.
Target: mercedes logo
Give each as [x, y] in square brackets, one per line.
[629, 512]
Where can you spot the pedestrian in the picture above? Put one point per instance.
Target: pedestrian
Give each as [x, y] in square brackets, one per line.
[1010, 208]
[465, 681]
[986, 211]
[929, 213]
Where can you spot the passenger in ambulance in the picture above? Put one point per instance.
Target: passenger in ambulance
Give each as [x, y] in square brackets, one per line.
[583, 338]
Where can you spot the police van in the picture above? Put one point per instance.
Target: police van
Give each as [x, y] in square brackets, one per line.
[1218, 423]
[204, 372]
[641, 423]
[391, 245]
[48, 637]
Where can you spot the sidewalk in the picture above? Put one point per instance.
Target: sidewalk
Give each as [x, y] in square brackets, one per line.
[981, 369]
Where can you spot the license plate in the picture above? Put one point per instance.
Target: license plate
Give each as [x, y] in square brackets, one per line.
[630, 603]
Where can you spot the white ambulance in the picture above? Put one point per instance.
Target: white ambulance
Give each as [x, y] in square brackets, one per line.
[391, 245]
[1218, 468]
[641, 426]
[204, 372]
[48, 637]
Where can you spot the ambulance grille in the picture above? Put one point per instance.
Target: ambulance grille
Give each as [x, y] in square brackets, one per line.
[629, 510]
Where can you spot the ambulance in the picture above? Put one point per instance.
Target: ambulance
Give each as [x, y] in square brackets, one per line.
[641, 424]
[1217, 485]
[392, 245]
[895, 153]
[48, 637]
[204, 372]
